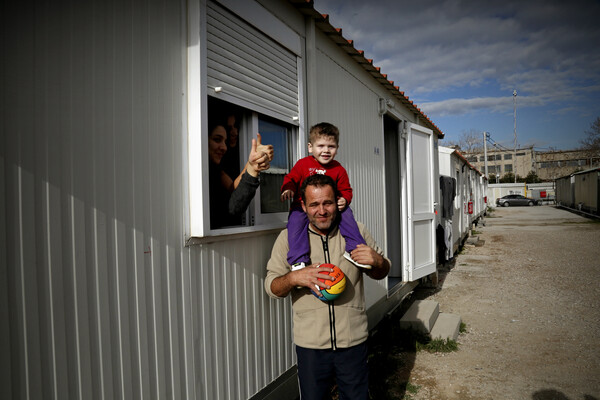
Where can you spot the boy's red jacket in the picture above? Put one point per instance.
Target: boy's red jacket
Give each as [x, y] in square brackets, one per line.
[308, 166]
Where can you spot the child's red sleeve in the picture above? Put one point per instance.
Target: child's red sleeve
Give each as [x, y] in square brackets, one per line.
[343, 184]
[291, 181]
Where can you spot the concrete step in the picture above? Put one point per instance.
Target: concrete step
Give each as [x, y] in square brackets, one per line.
[447, 326]
[421, 316]
[424, 316]
[475, 241]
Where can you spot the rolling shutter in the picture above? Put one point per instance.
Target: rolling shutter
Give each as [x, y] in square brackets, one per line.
[249, 65]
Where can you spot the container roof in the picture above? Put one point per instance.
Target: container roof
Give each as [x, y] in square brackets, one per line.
[306, 7]
[459, 155]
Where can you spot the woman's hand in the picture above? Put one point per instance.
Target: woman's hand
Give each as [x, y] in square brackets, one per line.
[260, 157]
[265, 149]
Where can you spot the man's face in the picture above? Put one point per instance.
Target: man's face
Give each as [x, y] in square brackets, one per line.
[323, 149]
[320, 207]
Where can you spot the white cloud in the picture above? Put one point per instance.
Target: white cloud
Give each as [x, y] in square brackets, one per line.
[466, 106]
[458, 106]
[432, 46]
[460, 60]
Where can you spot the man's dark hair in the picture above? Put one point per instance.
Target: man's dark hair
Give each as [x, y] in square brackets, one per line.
[318, 181]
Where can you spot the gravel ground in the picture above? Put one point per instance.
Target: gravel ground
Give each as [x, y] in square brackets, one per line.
[530, 300]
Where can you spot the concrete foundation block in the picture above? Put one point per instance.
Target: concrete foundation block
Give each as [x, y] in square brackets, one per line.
[421, 316]
[447, 326]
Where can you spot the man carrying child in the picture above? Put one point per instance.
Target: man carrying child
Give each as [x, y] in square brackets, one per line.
[323, 143]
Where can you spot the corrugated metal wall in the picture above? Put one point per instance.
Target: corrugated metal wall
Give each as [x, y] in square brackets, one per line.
[244, 338]
[92, 142]
[99, 297]
[564, 191]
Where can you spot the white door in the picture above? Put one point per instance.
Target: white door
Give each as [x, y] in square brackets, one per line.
[421, 197]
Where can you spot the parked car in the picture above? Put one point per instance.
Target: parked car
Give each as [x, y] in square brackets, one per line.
[515, 200]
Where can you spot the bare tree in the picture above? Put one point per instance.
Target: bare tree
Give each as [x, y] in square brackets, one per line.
[470, 141]
[591, 141]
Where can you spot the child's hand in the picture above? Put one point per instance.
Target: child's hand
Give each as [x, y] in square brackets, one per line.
[287, 195]
[341, 203]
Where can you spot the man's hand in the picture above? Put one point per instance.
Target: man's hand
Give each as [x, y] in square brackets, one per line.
[306, 277]
[366, 255]
[287, 195]
[341, 203]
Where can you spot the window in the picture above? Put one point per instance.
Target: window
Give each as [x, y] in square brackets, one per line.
[508, 156]
[248, 71]
[508, 167]
[228, 153]
[493, 169]
[280, 136]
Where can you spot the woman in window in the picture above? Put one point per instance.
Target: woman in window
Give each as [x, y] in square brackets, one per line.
[231, 159]
[229, 198]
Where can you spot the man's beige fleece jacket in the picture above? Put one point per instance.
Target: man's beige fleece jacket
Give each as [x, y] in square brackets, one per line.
[340, 323]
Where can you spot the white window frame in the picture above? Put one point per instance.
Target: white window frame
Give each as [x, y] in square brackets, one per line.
[274, 219]
[197, 146]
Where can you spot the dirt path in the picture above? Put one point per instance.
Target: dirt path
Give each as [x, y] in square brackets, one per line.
[530, 298]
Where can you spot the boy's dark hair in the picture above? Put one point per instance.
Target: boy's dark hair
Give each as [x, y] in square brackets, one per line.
[324, 129]
[318, 180]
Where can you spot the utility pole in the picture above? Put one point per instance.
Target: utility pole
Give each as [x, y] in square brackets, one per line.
[496, 163]
[485, 160]
[515, 150]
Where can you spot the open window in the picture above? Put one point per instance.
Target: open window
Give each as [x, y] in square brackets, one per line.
[231, 129]
[244, 74]
[282, 137]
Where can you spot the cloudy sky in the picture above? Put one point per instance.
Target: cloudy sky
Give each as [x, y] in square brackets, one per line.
[460, 62]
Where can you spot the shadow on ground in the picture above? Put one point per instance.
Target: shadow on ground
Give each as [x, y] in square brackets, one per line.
[392, 355]
[551, 394]
[429, 288]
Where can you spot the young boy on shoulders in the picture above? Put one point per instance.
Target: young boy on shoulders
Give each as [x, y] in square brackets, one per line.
[323, 143]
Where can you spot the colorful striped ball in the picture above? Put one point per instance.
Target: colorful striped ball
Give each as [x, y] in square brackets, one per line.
[337, 285]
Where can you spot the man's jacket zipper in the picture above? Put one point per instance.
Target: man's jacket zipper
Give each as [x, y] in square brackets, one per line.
[332, 332]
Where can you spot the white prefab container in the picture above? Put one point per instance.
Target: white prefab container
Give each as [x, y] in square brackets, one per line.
[463, 200]
[544, 192]
[564, 192]
[580, 191]
[114, 283]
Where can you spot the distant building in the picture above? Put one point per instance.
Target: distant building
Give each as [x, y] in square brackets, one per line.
[500, 162]
[547, 165]
[555, 164]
